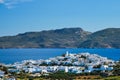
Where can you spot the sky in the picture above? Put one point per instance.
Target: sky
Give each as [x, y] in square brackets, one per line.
[19, 16]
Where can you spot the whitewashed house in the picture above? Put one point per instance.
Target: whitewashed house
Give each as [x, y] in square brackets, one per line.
[2, 74]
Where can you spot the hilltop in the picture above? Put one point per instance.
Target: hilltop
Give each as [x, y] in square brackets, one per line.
[107, 38]
[64, 38]
[60, 38]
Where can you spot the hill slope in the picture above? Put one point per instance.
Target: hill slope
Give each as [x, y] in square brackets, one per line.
[64, 38]
[107, 38]
[60, 38]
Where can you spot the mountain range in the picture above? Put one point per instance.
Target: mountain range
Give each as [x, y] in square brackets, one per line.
[64, 38]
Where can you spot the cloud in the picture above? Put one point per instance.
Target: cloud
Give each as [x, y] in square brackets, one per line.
[1, 1]
[12, 3]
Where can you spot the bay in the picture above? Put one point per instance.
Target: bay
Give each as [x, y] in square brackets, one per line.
[9, 56]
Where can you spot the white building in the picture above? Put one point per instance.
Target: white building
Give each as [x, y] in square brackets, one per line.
[2, 74]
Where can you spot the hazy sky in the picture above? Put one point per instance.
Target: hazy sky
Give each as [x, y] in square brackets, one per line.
[19, 16]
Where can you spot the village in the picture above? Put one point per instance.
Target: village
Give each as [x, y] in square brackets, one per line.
[68, 62]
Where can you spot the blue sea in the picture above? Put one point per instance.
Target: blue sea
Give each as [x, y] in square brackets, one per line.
[9, 56]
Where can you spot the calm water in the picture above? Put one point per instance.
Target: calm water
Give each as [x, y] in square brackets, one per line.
[14, 55]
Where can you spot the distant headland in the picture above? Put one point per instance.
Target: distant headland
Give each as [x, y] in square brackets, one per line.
[64, 38]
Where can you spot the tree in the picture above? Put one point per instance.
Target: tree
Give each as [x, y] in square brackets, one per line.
[3, 68]
[116, 69]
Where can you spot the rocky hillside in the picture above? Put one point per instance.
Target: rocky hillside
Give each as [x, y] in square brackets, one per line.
[60, 38]
[108, 38]
[64, 38]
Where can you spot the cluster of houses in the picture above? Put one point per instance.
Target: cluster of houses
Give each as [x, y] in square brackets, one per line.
[68, 62]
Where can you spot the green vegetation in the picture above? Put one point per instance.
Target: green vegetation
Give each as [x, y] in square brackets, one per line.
[90, 77]
[112, 78]
[107, 38]
[116, 70]
[3, 68]
[64, 38]
[61, 75]
[60, 38]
